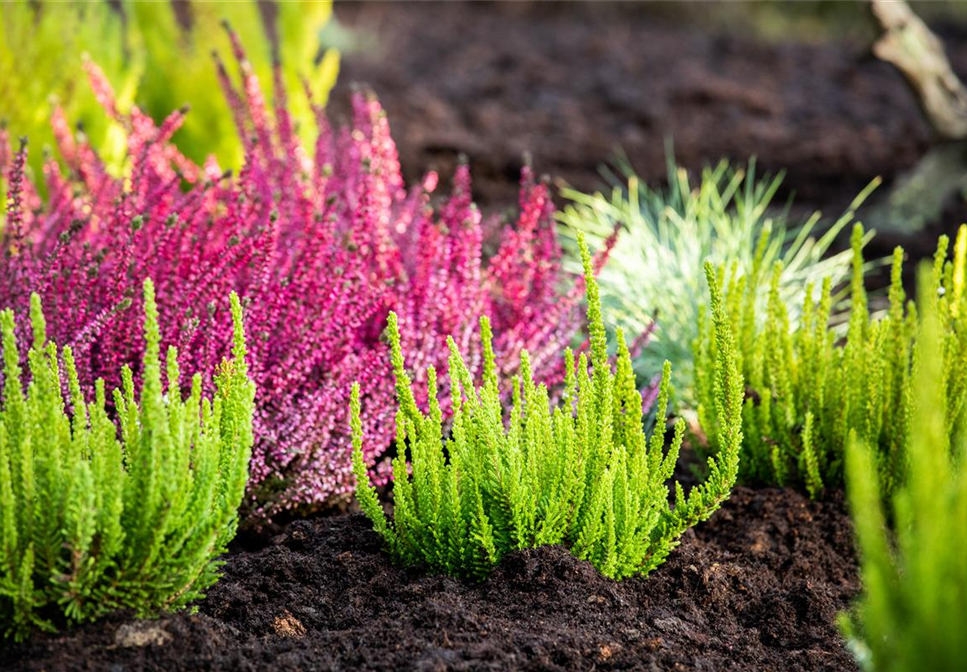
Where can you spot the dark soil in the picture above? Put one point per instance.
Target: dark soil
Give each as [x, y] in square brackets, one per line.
[570, 83]
[756, 587]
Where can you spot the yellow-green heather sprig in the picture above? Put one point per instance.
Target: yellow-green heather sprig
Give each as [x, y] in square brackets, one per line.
[154, 61]
[93, 519]
[582, 473]
[807, 393]
[912, 611]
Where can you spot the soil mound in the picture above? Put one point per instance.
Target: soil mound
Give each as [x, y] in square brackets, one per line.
[756, 587]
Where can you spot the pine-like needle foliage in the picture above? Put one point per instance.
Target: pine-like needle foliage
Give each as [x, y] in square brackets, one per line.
[911, 614]
[582, 473]
[807, 392]
[93, 519]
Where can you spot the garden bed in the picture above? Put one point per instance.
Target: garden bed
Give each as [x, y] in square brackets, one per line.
[756, 587]
[760, 584]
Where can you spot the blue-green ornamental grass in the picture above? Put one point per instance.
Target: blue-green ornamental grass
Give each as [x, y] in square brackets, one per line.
[654, 271]
[93, 519]
[581, 473]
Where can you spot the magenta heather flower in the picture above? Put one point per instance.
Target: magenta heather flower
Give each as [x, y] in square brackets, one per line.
[320, 242]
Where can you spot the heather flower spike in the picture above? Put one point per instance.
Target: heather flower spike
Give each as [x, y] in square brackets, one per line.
[320, 242]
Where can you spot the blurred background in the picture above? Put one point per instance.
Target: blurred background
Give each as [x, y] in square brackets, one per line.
[793, 83]
[572, 85]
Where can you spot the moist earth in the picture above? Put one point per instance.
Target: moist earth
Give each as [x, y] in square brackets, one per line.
[758, 586]
[571, 83]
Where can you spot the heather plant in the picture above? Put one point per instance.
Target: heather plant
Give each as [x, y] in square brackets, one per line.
[808, 392]
[93, 519]
[654, 274]
[40, 51]
[159, 58]
[911, 613]
[319, 242]
[581, 473]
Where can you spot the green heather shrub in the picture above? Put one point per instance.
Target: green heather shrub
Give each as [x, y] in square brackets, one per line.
[93, 519]
[913, 608]
[807, 391]
[580, 473]
[155, 61]
[654, 272]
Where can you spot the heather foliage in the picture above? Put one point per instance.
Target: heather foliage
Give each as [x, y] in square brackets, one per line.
[807, 393]
[93, 520]
[913, 608]
[156, 60]
[40, 52]
[582, 472]
[654, 273]
[320, 242]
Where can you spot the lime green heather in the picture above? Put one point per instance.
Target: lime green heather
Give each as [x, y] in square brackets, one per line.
[581, 473]
[912, 611]
[93, 519]
[808, 391]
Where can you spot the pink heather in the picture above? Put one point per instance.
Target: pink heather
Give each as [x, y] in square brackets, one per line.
[320, 244]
